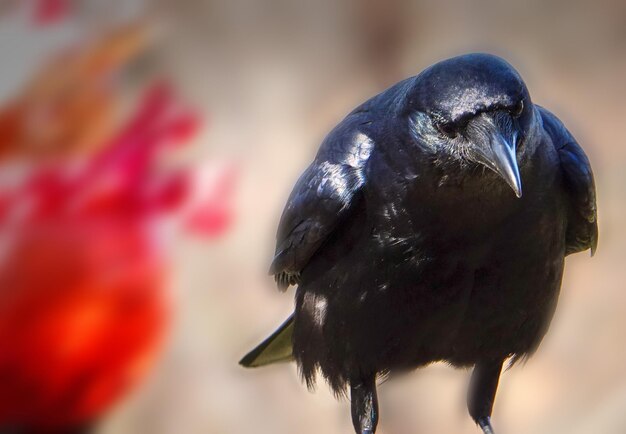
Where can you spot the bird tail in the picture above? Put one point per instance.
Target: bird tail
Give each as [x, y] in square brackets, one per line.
[275, 349]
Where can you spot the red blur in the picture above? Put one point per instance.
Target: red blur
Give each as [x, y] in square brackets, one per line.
[85, 227]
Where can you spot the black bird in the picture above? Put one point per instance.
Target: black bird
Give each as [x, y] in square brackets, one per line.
[410, 241]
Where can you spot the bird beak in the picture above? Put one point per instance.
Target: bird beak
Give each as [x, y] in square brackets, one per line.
[504, 161]
[495, 142]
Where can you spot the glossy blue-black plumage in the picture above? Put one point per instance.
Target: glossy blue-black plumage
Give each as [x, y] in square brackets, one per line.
[407, 250]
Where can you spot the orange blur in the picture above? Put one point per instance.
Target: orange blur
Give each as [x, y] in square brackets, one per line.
[82, 316]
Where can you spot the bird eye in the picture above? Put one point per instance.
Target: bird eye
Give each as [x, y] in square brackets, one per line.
[447, 129]
[518, 109]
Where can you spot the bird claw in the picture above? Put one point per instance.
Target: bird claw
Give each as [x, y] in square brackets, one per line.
[485, 424]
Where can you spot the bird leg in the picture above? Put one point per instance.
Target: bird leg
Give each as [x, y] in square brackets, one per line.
[364, 405]
[482, 392]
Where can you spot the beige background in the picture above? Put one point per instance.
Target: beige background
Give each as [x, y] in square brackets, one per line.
[273, 77]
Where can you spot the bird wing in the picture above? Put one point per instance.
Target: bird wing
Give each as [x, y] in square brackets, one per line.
[320, 201]
[582, 224]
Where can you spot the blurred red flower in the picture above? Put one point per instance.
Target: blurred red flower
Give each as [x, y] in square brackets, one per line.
[83, 266]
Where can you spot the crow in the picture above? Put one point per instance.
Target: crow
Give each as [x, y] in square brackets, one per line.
[433, 225]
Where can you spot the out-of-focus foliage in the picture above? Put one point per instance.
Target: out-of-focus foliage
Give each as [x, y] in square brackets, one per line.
[71, 103]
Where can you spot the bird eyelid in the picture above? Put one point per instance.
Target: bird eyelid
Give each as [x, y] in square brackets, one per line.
[444, 127]
[448, 129]
[518, 109]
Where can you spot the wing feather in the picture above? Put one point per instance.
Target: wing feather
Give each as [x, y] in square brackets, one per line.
[582, 227]
[320, 201]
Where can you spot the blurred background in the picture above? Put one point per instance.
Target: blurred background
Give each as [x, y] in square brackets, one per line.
[147, 149]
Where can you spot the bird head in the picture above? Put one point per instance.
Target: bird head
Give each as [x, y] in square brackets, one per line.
[477, 108]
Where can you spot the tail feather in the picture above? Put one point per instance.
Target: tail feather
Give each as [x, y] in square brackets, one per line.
[275, 349]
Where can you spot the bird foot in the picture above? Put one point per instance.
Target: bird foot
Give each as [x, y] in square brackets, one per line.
[485, 424]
